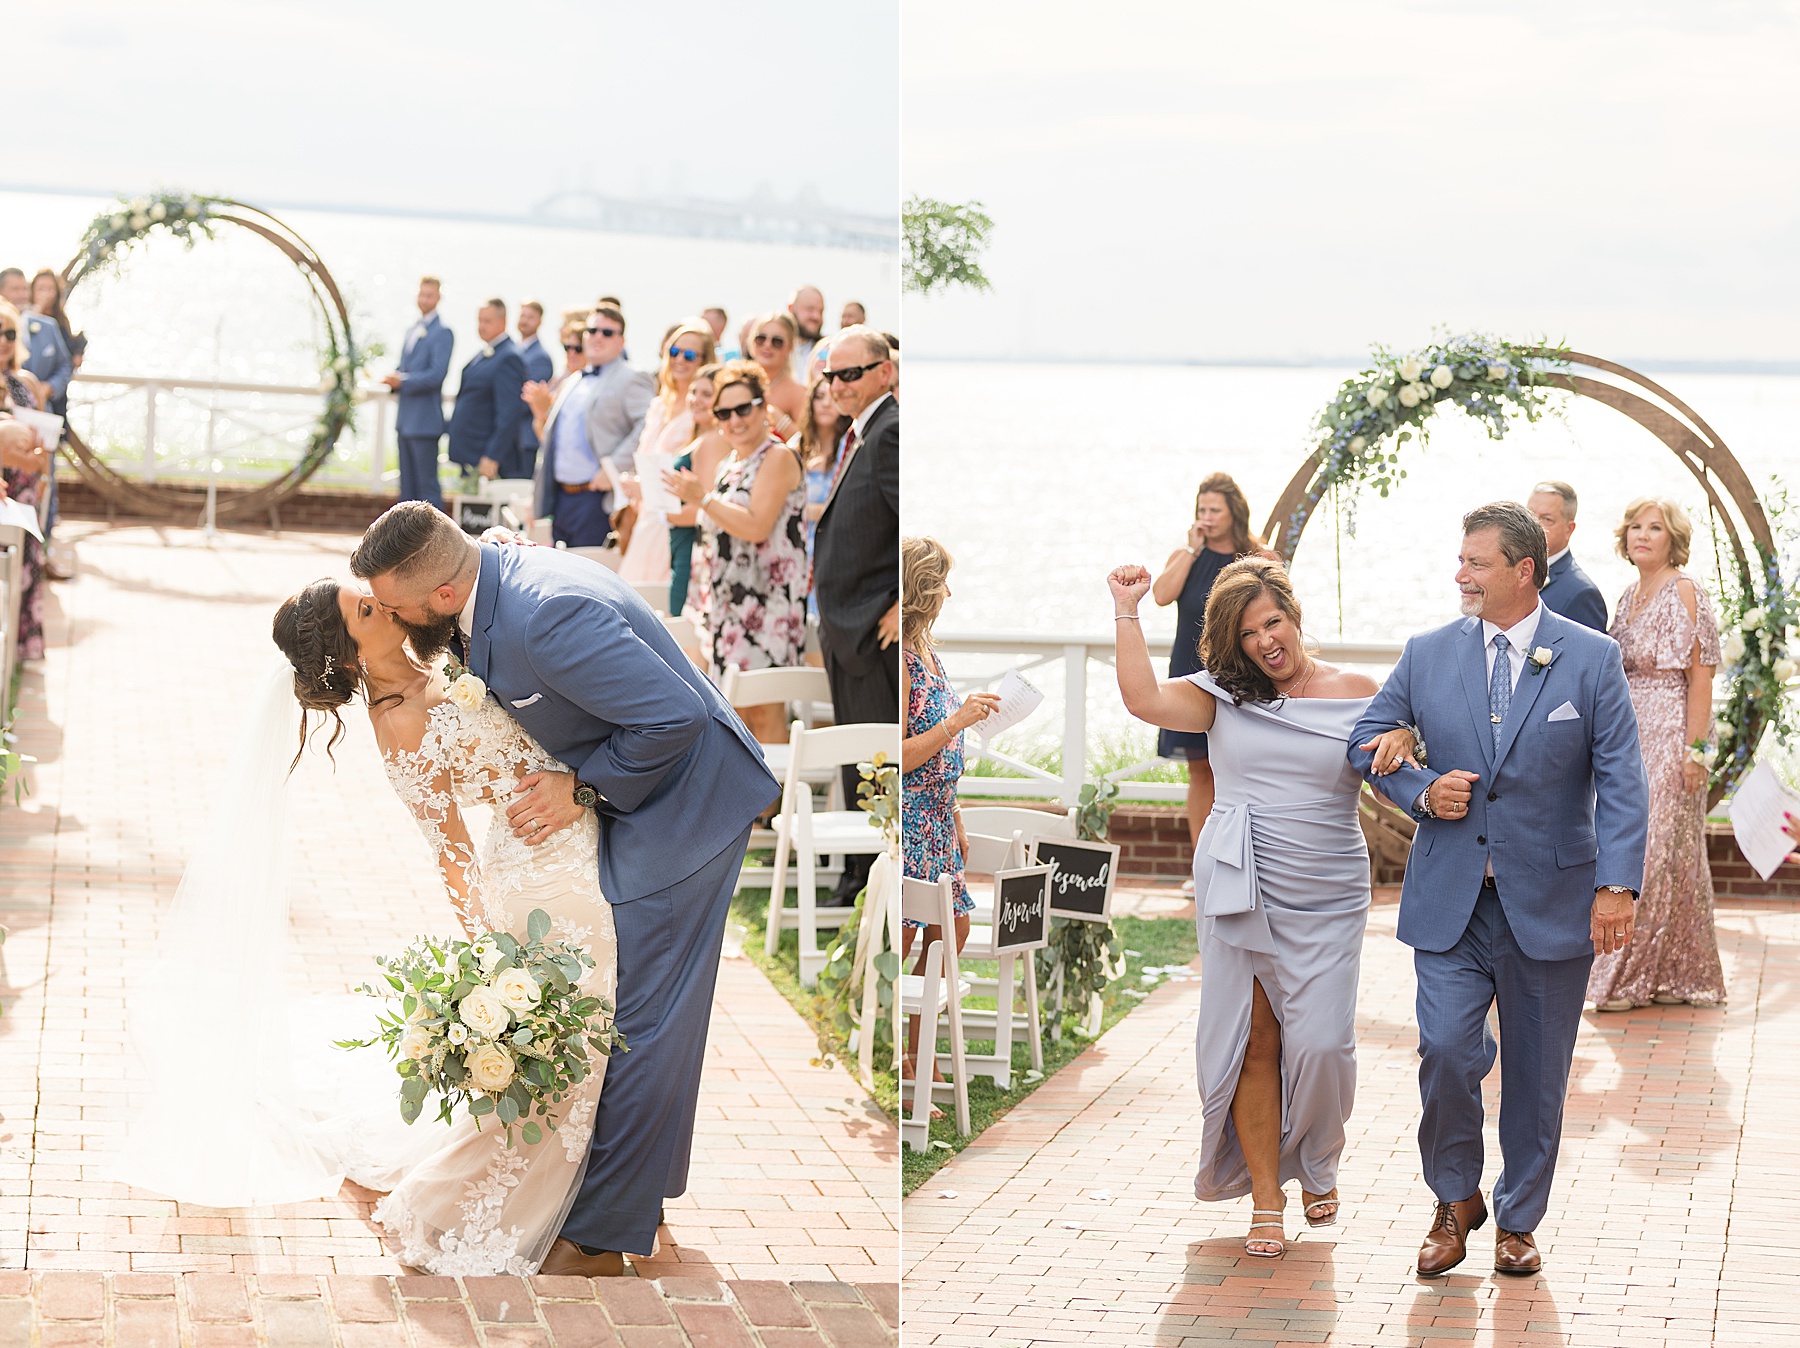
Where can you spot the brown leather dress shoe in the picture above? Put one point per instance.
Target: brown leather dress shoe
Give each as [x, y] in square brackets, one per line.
[566, 1260]
[1447, 1243]
[1515, 1252]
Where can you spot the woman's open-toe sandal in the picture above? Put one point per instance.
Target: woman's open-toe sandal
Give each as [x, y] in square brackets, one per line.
[1250, 1242]
[1322, 1211]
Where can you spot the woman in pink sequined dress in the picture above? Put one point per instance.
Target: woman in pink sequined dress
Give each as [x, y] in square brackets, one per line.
[1669, 638]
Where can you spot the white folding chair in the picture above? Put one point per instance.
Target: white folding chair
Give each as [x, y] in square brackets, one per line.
[656, 594]
[610, 558]
[989, 855]
[514, 495]
[809, 833]
[935, 994]
[1002, 821]
[805, 687]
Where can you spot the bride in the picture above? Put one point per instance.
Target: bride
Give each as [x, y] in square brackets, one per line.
[459, 1200]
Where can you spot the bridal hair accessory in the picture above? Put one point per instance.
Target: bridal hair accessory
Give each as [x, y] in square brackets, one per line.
[325, 674]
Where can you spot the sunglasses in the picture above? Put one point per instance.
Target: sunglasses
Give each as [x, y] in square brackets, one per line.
[571, 346]
[763, 339]
[850, 373]
[604, 332]
[682, 353]
[725, 414]
[9, 334]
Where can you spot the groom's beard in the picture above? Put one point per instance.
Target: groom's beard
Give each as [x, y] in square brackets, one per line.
[429, 640]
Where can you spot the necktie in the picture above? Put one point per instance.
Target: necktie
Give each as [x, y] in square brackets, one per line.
[843, 459]
[1500, 686]
[458, 647]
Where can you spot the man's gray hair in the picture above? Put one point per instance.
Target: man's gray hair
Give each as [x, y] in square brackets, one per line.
[1521, 535]
[417, 542]
[875, 343]
[1562, 489]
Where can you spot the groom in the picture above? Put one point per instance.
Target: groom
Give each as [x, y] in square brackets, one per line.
[1528, 858]
[587, 668]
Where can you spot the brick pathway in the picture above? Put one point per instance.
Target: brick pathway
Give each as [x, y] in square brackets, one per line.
[1673, 1221]
[795, 1171]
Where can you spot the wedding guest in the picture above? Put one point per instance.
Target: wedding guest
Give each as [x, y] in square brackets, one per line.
[25, 468]
[773, 337]
[540, 368]
[854, 315]
[48, 291]
[484, 422]
[822, 429]
[931, 755]
[806, 306]
[1669, 639]
[419, 388]
[49, 294]
[1219, 535]
[702, 455]
[854, 550]
[668, 429]
[1281, 882]
[46, 349]
[752, 542]
[596, 420]
[1568, 590]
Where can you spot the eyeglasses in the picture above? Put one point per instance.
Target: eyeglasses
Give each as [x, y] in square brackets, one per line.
[9, 334]
[604, 332]
[571, 346]
[682, 353]
[763, 339]
[850, 373]
[725, 414]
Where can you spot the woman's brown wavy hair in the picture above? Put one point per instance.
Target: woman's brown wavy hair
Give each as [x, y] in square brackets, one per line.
[1222, 653]
[1224, 484]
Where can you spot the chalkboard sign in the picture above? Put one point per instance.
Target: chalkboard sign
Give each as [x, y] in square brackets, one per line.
[1081, 876]
[475, 514]
[1022, 909]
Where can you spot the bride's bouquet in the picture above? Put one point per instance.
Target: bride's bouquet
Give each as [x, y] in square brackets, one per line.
[496, 1025]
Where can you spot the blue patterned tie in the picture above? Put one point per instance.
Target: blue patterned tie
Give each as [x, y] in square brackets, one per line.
[1500, 686]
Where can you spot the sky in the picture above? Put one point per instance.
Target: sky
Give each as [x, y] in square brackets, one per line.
[1200, 180]
[448, 105]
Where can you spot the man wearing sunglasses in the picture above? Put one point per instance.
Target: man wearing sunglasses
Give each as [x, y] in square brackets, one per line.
[595, 421]
[856, 551]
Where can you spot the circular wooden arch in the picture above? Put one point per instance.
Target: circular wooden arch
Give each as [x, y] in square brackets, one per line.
[185, 502]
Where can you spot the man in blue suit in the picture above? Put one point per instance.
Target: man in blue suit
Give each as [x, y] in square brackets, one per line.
[1528, 858]
[1568, 590]
[589, 670]
[419, 382]
[484, 428]
[539, 369]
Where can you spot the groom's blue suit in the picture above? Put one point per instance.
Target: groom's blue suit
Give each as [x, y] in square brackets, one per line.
[589, 670]
[1560, 809]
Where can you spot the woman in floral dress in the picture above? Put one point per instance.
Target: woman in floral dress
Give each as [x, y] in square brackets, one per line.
[1669, 638]
[931, 755]
[753, 543]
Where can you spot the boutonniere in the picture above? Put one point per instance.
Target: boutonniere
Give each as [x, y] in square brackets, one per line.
[487, 351]
[1540, 659]
[465, 690]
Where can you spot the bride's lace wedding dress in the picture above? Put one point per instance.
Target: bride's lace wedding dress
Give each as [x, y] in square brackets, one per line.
[475, 1205]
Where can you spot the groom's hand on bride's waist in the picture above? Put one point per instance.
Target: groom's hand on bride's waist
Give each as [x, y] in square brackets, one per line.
[544, 805]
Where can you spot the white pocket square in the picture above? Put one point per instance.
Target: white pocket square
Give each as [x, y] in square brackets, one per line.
[1566, 712]
[526, 702]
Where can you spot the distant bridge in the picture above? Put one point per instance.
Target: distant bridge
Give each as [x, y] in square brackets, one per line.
[756, 220]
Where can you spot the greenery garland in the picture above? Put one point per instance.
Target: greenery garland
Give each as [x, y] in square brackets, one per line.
[1757, 655]
[839, 1005]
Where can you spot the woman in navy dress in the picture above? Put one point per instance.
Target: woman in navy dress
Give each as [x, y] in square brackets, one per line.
[1219, 535]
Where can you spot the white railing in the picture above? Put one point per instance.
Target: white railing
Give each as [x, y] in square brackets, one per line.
[165, 428]
[1074, 652]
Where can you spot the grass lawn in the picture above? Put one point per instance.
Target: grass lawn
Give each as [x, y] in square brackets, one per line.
[750, 910]
[1152, 942]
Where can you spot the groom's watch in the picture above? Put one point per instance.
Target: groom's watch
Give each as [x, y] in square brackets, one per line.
[585, 795]
[1621, 889]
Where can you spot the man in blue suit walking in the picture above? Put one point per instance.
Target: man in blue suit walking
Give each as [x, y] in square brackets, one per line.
[1567, 590]
[1528, 858]
[589, 670]
[419, 382]
[539, 369]
[484, 428]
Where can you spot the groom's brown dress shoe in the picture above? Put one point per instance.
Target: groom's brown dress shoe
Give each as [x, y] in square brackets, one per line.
[567, 1260]
[1447, 1243]
[1515, 1252]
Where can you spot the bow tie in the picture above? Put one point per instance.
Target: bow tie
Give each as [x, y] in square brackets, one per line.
[592, 370]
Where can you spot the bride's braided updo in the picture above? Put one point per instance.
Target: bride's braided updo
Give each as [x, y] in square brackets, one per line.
[309, 628]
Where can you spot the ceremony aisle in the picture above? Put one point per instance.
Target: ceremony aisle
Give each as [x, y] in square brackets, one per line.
[1071, 1220]
[132, 717]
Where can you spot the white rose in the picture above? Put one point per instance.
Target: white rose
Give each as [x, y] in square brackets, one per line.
[459, 1034]
[1442, 377]
[1785, 670]
[517, 989]
[1732, 648]
[1409, 395]
[1358, 444]
[159, 211]
[1543, 655]
[117, 222]
[1753, 620]
[140, 204]
[1410, 368]
[1377, 396]
[415, 1043]
[140, 220]
[468, 692]
[191, 211]
[1497, 373]
[485, 1013]
[488, 954]
[490, 1067]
